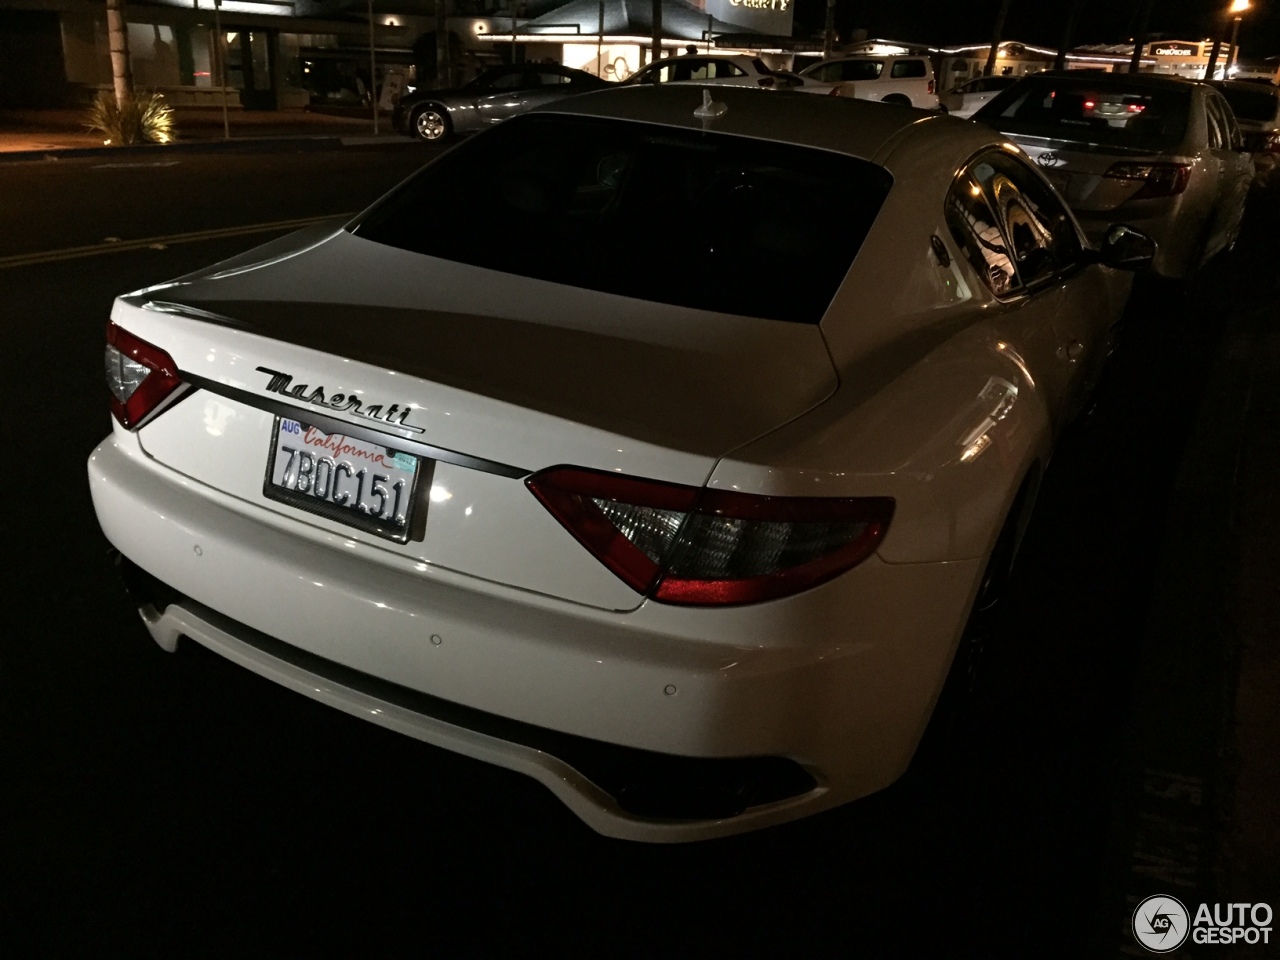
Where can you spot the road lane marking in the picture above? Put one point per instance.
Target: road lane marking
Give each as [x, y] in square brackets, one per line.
[113, 245]
[130, 166]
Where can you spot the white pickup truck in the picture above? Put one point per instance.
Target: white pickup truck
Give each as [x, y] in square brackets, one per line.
[904, 79]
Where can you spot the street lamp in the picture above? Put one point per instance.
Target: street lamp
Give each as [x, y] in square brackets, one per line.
[1238, 7]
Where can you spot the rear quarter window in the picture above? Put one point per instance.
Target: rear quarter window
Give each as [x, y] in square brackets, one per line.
[906, 69]
[1261, 106]
[696, 219]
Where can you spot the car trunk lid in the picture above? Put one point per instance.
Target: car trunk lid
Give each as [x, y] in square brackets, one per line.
[1078, 171]
[505, 375]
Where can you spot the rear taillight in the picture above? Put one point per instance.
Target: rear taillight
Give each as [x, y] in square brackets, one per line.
[1272, 143]
[1159, 179]
[833, 92]
[930, 88]
[685, 545]
[139, 374]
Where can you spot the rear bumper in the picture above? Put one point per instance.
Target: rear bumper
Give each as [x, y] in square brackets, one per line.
[792, 706]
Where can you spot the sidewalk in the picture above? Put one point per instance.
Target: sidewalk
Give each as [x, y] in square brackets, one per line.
[34, 132]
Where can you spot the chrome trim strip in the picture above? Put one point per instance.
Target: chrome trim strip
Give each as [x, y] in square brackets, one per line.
[312, 415]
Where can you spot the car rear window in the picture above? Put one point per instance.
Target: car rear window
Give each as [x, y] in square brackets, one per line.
[697, 219]
[1090, 111]
[1260, 105]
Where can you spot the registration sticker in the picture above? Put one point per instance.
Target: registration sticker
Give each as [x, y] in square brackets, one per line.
[345, 478]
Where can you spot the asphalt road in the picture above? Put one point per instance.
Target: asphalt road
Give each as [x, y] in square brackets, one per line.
[178, 806]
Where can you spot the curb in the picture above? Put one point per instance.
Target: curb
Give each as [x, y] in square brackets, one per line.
[296, 143]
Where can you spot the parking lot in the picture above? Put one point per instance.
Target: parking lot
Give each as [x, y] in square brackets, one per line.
[1122, 744]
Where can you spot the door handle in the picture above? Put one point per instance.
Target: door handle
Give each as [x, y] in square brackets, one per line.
[1071, 352]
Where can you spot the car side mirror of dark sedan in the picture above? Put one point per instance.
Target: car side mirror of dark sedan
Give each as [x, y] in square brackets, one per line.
[1124, 248]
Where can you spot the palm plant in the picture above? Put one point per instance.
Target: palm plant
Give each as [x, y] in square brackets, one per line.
[146, 119]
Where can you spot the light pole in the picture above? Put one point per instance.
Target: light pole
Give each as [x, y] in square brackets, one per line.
[373, 73]
[221, 54]
[1238, 7]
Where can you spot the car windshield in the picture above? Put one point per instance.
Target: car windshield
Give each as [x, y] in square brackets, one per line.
[703, 220]
[1091, 110]
[1252, 104]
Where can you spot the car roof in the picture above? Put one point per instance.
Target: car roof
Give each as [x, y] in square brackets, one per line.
[874, 56]
[860, 128]
[1249, 86]
[1140, 80]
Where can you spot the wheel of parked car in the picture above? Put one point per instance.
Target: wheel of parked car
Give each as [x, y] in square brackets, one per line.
[430, 123]
[898, 98]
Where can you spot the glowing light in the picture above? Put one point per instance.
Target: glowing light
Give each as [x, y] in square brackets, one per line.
[974, 450]
[439, 494]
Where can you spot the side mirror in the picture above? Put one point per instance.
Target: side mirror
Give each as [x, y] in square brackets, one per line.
[1124, 248]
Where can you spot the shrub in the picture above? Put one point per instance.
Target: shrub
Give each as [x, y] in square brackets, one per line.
[146, 119]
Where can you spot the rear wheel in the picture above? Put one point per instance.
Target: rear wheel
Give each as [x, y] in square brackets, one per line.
[430, 123]
[898, 98]
[952, 722]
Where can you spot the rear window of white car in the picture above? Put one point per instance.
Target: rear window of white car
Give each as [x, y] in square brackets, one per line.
[697, 219]
[1088, 111]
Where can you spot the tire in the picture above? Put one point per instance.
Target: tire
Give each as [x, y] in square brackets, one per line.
[430, 123]
[899, 99]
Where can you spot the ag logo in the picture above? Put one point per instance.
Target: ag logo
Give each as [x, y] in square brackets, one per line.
[1161, 924]
[1049, 159]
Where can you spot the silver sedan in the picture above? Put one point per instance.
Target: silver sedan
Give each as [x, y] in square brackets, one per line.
[1160, 153]
[491, 97]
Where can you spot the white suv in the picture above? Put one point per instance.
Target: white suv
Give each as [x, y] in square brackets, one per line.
[907, 80]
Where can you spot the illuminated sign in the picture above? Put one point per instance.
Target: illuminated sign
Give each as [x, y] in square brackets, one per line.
[1174, 49]
[770, 17]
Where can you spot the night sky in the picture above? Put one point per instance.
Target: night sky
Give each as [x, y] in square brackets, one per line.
[1040, 21]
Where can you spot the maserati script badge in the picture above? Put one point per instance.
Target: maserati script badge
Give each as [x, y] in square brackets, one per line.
[282, 383]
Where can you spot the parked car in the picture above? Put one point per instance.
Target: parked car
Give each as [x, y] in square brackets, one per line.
[733, 70]
[1257, 110]
[1158, 152]
[964, 99]
[668, 474]
[493, 96]
[906, 80]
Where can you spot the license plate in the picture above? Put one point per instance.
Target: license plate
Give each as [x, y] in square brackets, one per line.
[344, 478]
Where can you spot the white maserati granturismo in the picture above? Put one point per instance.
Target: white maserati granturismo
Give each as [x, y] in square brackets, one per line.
[657, 444]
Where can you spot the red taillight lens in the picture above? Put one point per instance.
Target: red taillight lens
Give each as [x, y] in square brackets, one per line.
[833, 92]
[139, 374]
[685, 545]
[1273, 143]
[930, 87]
[1160, 179]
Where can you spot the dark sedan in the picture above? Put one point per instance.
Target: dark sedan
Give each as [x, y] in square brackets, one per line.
[494, 95]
